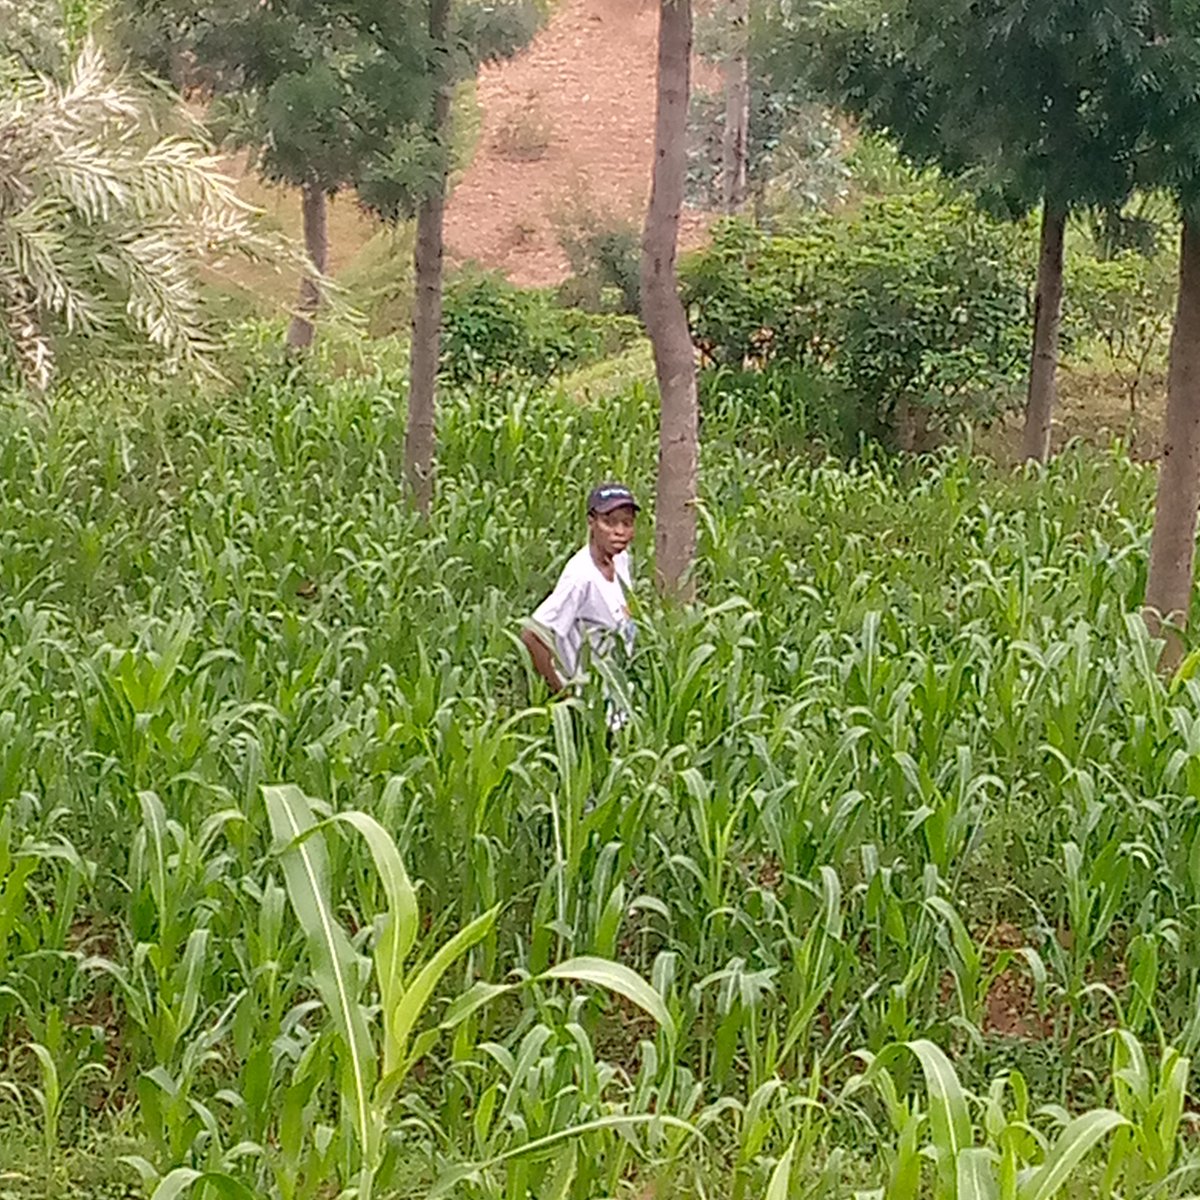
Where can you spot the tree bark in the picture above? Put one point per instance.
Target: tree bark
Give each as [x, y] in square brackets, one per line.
[420, 433]
[1047, 317]
[1173, 544]
[314, 206]
[735, 140]
[663, 311]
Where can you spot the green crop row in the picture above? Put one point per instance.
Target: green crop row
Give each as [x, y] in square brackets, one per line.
[890, 888]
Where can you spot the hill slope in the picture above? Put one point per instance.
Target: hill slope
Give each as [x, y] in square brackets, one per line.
[566, 130]
[568, 126]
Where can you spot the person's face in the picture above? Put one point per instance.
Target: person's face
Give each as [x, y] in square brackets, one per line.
[612, 532]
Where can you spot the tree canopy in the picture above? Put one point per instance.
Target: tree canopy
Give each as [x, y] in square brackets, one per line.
[336, 92]
[322, 91]
[1020, 101]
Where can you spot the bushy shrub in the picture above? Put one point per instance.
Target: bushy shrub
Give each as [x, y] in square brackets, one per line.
[498, 31]
[605, 256]
[1121, 305]
[754, 299]
[794, 158]
[916, 306]
[494, 332]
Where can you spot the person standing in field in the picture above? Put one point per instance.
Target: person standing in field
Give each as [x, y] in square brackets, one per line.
[589, 605]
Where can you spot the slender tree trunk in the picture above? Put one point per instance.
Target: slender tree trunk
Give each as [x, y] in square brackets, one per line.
[734, 149]
[315, 209]
[178, 68]
[419, 441]
[1047, 316]
[662, 309]
[1173, 545]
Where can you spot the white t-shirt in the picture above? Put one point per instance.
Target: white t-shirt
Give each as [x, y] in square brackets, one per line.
[585, 604]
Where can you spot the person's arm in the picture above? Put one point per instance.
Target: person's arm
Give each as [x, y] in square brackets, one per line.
[550, 627]
[543, 660]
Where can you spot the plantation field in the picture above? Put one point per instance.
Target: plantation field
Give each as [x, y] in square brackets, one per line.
[892, 883]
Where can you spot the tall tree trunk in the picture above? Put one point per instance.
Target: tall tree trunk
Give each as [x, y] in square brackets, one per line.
[662, 309]
[735, 141]
[315, 210]
[427, 308]
[1173, 545]
[1047, 316]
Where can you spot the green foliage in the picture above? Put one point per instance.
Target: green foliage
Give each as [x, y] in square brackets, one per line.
[794, 153]
[108, 224]
[794, 148]
[488, 32]
[788, 405]
[1148, 222]
[913, 300]
[606, 257]
[929, 75]
[907, 764]
[877, 168]
[1007, 1156]
[325, 92]
[1122, 305]
[495, 333]
[379, 281]
[328, 92]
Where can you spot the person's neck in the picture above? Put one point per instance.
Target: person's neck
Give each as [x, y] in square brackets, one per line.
[602, 560]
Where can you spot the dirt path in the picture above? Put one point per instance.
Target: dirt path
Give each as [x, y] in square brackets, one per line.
[567, 125]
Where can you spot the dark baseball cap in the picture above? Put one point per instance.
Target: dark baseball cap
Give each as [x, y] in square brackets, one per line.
[608, 497]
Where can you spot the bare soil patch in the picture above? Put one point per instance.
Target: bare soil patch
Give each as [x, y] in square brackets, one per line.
[567, 126]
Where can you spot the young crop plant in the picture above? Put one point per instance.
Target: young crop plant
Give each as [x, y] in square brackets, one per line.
[889, 888]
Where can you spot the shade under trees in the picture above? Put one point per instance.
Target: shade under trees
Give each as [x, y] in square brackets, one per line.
[1016, 101]
[1076, 103]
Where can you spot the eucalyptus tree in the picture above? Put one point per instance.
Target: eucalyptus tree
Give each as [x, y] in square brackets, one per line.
[662, 309]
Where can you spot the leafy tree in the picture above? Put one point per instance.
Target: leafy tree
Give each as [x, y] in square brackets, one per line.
[327, 94]
[766, 127]
[334, 94]
[460, 37]
[662, 308]
[1015, 100]
[105, 223]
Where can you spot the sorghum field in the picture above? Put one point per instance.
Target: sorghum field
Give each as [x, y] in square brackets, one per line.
[890, 889]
